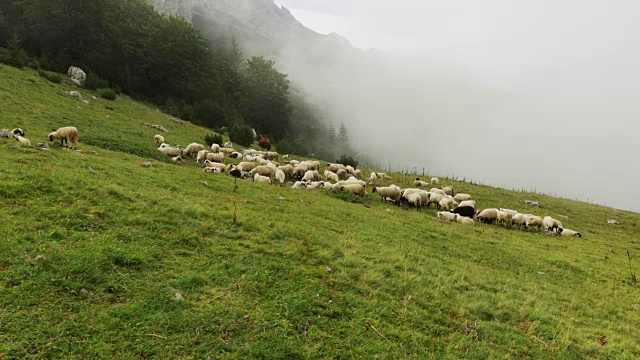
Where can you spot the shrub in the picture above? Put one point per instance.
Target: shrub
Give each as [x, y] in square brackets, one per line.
[94, 82]
[211, 139]
[208, 113]
[241, 134]
[347, 160]
[107, 93]
[53, 77]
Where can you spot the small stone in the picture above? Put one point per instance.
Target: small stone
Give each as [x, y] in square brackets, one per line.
[86, 101]
[178, 297]
[94, 98]
[328, 268]
[409, 298]
[39, 257]
[281, 198]
[246, 316]
[85, 292]
[541, 273]
[147, 164]
[205, 183]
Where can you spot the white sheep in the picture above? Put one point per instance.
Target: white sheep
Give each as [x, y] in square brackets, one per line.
[315, 185]
[280, 176]
[299, 185]
[392, 193]
[215, 148]
[220, 168]
[159, 139]
[536, 221]
[311, 175]
[471, 203]
[447, 203]
[448, 190]
[355, 189]
[66, 134]
[437, 191]
[461, 197]
[358, 174]
[418, 182]
[263, 170]
[413, 199]
[177, 159]
[445, 215]
[434, 181]
[246, 166]
[193, 149]
[425, 196]
[464, 220]
[261, 179]
[551, 224]
[506, 218]
[488, 216]
[23, 140]
[170, 150]
[287, 170]
[520, 220]
[228, 145]
[569, 232]
[436, 198]
[330, 175]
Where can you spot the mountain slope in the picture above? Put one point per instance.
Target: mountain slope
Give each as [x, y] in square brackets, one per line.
[96, 248]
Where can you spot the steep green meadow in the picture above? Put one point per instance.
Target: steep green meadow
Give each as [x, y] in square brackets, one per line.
[95, 247]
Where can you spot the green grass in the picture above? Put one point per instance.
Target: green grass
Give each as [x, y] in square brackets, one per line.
[313, 276]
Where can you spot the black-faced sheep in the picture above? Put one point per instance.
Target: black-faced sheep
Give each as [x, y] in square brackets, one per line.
[569, 232]
[68, 134]
[488, 216]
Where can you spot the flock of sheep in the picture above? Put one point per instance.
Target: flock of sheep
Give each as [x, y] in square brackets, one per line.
[68, 134]
[264, 167]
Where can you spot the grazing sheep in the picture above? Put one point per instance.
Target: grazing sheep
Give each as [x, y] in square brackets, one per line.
[355, 189]
[358, 174]
[447, 203]
[281, 177]
[350, 169]
[448, 190]
[373, 177]
[551, 224]
[17, 131]
[412, 199]
[287, 170]
[264, 171]
[215, 148]
[532, 203]
[330, 175]
[436, 198]
[520, 220]
[461, 197]
[418, 182]
[342, 174]
[214, 157]
[392, 193]
[437, 191]
[261, 179]
[434, 181]
[177, 159]
[221, 168]
[569, 232]
[512, 212]
[159, 139]
[464, 220]
[311, 175]
[23, 140]
[193, 149]
[228, 145]
[471, 203]
[246, 166]
[488, 216]
[227, 151]
[465, 211]
[536, 221]
[299, 185]
[505, 218]
[236, 155]
[424, 195]
[66, 134]
[315, 185]
[445, 215]
[170, 150]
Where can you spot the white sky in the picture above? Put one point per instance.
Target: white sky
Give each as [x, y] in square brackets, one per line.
[564, 75]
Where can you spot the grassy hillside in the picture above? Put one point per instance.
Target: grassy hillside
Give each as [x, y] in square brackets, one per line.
[95, 248]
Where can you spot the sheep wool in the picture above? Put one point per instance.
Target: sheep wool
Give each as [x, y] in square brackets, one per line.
[67, 134]
[159, 139]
